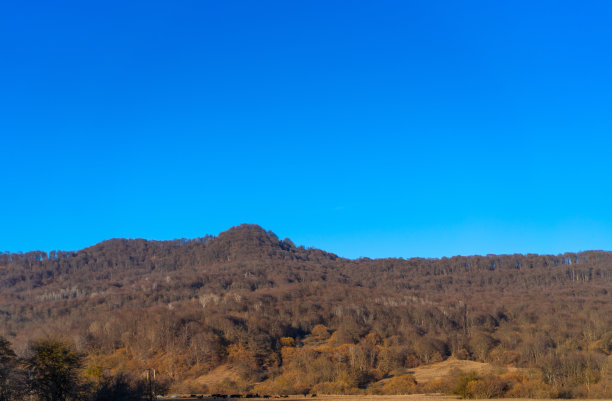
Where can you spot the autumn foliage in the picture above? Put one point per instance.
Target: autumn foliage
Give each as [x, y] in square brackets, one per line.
[248, 312]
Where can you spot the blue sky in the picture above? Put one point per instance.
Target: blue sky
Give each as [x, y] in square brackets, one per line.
[408, 128]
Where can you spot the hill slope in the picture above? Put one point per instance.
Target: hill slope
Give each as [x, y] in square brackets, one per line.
[268, 310]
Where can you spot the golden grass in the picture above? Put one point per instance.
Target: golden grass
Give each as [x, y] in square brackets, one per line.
[217, 375]
[426, 373]
[411, 397]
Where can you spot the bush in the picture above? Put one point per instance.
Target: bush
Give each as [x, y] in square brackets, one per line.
[490, 386]
[277, 386]
[119, 388]
[287, 341]
[462, 384]
[439, 385]
[530, 389]
[405, 384]
[470, 385]
[320, 331]
[336, 387]
[344, 384]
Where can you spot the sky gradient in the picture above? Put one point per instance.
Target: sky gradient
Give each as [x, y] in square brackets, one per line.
[408, 128]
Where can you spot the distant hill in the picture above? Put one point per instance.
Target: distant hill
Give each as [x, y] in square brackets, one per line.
[263, 310]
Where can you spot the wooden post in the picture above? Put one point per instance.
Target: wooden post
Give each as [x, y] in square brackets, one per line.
[149, 378]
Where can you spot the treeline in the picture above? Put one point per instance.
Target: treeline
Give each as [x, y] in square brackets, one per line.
[284, 319]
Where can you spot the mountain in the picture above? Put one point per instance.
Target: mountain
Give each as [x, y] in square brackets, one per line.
[267, 312]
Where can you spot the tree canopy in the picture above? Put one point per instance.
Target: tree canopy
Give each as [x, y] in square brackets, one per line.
[305, 320]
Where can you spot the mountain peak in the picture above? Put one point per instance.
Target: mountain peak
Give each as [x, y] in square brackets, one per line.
[250, 230]
[245, 241]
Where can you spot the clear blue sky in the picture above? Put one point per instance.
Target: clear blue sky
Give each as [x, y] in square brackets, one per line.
[408, 128]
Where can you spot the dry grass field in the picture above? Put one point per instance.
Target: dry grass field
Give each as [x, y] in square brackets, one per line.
[423, 374]
[217, 375]
[411, 397]
[426, 373]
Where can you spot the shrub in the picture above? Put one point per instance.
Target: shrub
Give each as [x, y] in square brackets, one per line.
[530, 389]
[336, 387]
[462, 382]
[287, 341]
[320, 331]
[490, 386]
[405, 384]
[118, 388]
[277, 386]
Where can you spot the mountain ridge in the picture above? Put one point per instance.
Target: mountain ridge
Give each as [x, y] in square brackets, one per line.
[270, 310]
[252, 234]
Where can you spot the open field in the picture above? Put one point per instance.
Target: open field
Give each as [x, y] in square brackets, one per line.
[426, 373]
[411, 397]
[423, 373]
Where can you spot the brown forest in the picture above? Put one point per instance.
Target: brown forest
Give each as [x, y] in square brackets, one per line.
[245, 312]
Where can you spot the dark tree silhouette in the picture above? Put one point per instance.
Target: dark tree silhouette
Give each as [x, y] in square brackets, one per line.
[53, 367]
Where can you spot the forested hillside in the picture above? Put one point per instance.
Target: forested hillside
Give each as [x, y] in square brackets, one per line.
[247, 312]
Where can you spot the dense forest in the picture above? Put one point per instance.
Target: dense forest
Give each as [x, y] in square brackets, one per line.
[246, 312]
